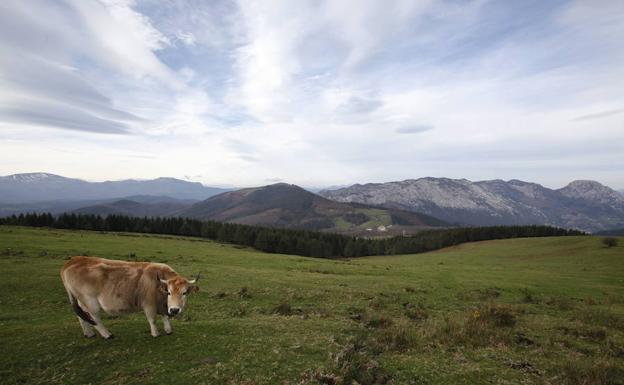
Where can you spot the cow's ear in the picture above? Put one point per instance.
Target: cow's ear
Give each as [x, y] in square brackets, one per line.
[160, 279]
[193, 289]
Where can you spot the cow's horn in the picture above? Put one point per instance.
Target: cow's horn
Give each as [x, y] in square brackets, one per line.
[196, 278]
[160, 279]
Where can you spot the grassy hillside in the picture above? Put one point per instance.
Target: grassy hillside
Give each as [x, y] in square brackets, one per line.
[534, 311]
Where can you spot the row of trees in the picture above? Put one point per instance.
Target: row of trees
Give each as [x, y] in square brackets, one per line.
[285, 241]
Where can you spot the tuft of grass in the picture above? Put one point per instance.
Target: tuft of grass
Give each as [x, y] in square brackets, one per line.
[528, 296]
[377, 320]
[489, 324]
[415, 312]
[239, 311]
[595, 334]
[400, 337]
[561, 303]
[354, 363]
[591, 372]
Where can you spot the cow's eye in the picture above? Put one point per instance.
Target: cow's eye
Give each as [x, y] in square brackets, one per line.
[185, 291]
[168, 293]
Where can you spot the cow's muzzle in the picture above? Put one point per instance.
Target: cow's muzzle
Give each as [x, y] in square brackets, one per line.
[174, 311]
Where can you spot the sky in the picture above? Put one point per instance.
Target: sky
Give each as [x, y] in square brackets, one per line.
[316, 93]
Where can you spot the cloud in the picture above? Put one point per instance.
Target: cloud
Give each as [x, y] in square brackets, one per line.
[414, 129]
[60, 116]
[598, 115]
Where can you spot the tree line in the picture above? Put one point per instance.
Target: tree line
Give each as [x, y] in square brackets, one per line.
[285, 241]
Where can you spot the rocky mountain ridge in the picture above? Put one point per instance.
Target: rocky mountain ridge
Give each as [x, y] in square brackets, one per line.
[585, 205]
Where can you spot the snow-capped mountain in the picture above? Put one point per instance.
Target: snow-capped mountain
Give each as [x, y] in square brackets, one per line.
[586, 205]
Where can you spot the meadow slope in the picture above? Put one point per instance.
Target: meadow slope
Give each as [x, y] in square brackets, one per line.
[532, 311]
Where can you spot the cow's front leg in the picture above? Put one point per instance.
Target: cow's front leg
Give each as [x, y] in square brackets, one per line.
[151, 318]
[167, 324]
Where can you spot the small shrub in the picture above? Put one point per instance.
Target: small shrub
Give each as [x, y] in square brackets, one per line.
[561, 303]
[415, 312]
[528, 296]
[498, 315]
[239, 311]
[589, 301]
[283, 308]
[610, 241]
[243, 293]
[374, 320]
[355, 364]
[521, 339]
[614, 349]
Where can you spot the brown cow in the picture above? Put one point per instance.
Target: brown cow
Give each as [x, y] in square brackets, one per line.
[118, 287]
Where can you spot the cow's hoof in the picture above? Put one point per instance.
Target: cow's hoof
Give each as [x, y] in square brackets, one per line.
[110, 337]
[169, 332]
[89, 335]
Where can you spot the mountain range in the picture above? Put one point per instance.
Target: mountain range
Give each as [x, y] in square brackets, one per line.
[39, 187]
[408, 205]
[584, 205]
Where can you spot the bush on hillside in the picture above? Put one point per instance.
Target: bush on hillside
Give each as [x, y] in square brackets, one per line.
[610, 241]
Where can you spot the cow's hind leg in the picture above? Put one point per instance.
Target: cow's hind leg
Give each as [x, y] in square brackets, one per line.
[167, 324]
[151, 318]
[87, 329]
[93, 307]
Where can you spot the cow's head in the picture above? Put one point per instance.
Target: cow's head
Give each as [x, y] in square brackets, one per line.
[176, 289]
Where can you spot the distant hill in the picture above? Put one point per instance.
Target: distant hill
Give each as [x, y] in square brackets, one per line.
[584, 205]
[144, 203]
[290, 206]
[129, 207]
[43, 187]
[614, 232]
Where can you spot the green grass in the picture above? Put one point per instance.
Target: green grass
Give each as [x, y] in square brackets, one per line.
[532, 311]
[378, 218]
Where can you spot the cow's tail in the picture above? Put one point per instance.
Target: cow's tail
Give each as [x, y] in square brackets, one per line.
[77, 309]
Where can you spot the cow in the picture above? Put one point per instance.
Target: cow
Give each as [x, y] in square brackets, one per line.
[119, 287]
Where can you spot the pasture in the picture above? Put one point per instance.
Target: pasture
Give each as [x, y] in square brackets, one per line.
[530, 311]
